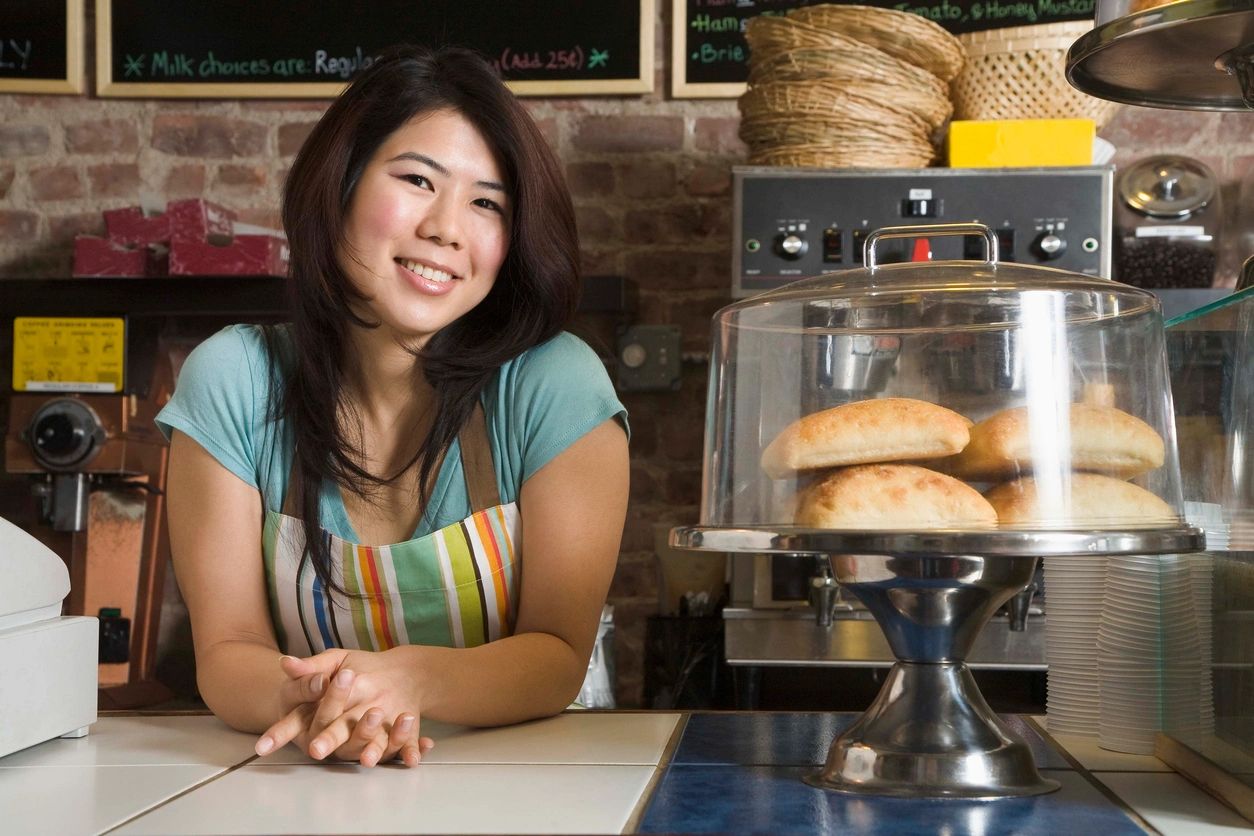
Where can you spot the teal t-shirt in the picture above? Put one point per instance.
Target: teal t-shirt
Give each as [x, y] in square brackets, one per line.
[537, 405]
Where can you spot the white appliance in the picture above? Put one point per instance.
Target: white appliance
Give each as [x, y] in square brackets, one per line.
[48, 662]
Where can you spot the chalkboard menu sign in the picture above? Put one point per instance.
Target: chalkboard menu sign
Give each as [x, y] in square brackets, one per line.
[41, 46]
[301, 48]
[710, 58]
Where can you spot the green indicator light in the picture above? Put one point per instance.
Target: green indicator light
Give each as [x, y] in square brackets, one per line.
[753, 245]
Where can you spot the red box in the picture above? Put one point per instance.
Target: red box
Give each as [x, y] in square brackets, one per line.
[199, 220]
[102, 257]
[131, 226]
[246, 255]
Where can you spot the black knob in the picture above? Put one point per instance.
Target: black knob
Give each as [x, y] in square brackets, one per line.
[58, 435]
[790, 245]
[1049, 246]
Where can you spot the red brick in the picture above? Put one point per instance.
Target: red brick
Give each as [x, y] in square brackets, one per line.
[630, 133]
[596, 225]
[645, 180]
[683, 486]
[56, 182]
[634, 578]
[682, 441]
[679, 269]
[708, 180]
[590, 179]
[185, 181]
[114, 180]
[551, 131]
[63, 228]
[596, 260]
[643, 485]
[1236, 132]
[292, 136]
[102, 136]
[638, 531]
[248, 177]
[23, 140]
[6, 179]
[207, 136]
[1154, 128]
[719, 135]
[675, 223]
[17, 225]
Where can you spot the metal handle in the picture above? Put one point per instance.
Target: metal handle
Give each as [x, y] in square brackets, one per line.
[931, 231]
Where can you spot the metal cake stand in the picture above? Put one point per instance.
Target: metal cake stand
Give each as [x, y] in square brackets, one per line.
[929, 732]
[1189, 55]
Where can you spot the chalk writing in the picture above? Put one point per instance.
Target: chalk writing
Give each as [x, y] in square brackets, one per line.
[15, 54]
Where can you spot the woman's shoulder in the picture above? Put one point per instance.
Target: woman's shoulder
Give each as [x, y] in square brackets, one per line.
[564, 354]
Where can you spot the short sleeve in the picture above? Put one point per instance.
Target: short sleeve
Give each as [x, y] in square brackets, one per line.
[219, 399]
[554, 394]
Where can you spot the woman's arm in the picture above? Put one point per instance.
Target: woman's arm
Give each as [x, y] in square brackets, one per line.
[215, 540]
[572, 510]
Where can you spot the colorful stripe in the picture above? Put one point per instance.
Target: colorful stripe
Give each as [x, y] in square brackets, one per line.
[456, 587]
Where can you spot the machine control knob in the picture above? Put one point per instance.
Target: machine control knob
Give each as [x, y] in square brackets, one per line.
[65, 434]
[790, 245]
[1049, 245]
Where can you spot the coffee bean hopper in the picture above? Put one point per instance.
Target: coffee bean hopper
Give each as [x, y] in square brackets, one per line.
[1055, 482]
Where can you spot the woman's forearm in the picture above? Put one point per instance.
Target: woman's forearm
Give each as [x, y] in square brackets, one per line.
[240, 681]
[518, 678]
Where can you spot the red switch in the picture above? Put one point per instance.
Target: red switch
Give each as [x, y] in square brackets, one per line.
[922, 250]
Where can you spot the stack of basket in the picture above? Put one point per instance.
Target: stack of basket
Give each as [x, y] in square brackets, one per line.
[847, 87]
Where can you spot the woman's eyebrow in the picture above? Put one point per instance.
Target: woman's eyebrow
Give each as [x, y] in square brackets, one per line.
[425, 160]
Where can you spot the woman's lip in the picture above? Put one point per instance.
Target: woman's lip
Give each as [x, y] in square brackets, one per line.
[424, 285]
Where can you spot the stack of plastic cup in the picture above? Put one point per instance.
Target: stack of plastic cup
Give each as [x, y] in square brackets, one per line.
[1074, 592]
[1150, 660]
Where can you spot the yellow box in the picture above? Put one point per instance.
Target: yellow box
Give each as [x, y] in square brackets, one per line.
[1005, 143]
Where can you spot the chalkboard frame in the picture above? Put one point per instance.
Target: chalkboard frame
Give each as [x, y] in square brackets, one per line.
[106, 87]
[74, 61]
[681, 88]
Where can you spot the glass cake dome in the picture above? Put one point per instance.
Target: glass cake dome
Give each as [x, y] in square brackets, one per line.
[960, 395]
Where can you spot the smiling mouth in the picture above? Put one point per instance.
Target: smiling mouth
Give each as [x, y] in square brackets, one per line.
[426, 272]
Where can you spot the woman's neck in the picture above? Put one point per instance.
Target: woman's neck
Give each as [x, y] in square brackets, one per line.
[388, 393]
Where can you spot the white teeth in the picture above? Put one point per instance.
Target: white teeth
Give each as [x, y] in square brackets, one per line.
[425, 271]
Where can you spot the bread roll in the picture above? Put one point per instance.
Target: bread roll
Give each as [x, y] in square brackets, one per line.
[864, 432]
[1103, 440]
[893, 496]
[1087, 501]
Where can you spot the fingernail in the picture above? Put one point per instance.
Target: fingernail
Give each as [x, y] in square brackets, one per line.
[344, 678]
[264, 745]
[286, 658]
[412, 758]
[374, 718]
[405, 723]
[318, 682]
[317, 750]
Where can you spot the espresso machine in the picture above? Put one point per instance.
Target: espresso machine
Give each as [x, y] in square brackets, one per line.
[791, 224]
[92, 361]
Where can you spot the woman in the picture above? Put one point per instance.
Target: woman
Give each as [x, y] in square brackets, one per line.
[422, 424]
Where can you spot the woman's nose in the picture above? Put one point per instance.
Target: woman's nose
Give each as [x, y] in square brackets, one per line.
[440, 223]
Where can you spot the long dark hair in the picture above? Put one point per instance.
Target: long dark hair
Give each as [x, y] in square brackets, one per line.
[535, 294]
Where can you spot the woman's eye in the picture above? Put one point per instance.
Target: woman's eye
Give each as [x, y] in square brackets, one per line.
[487, 203]
[417, 179]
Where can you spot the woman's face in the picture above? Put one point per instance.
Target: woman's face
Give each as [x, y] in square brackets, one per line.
[427, 226]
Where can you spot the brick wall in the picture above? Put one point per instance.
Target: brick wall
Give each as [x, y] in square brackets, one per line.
[651, 180]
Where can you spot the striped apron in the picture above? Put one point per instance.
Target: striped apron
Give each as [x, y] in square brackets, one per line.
[456, 587]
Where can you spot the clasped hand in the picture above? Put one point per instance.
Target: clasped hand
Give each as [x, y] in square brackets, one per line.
[351, 705]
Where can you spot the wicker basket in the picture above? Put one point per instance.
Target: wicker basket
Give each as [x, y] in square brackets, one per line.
[1020, 73]
[907, 87]
[907, 37]
[836, 156]
[762, 134]
[822, 98]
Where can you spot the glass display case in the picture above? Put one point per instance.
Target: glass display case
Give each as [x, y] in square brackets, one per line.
[934, 429]
[1212, 378]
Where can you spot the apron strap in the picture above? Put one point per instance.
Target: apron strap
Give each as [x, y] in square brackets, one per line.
[476, 463]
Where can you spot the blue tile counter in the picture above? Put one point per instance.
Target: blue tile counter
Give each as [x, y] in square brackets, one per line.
[742, 773]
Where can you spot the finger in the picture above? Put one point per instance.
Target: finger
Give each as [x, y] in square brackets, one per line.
[332, 739]
[375, 750]
[304, 689]
[332, 703]
[360, 745]
[404, 730]
[285, 731]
